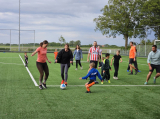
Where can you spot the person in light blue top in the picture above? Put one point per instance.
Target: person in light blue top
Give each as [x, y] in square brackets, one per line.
[153, 63]
[78, 56]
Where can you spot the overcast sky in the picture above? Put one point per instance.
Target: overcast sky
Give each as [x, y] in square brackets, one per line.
[73, 19]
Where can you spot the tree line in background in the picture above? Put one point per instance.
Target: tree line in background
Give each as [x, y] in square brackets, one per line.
[121, 17]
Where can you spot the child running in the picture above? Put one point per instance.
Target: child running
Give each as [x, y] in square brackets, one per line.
[92, 74]
[105, 68]
[55, 54]
[26, 59]
[116, 59]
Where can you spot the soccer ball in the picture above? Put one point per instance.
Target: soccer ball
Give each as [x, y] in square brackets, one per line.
[62, 86]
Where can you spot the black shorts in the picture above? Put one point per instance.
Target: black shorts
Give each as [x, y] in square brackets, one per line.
[157, 67]
[44, 65]
[96, 62]
[90, 81]
[131, 60]
[96, 82]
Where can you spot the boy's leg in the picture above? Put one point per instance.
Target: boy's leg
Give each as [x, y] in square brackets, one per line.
[90, 83]
[104, 76]
[108, 76]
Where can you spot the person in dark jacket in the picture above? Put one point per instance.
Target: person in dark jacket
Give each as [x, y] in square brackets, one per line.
[78, 56]
[105, 68]
[65, 57]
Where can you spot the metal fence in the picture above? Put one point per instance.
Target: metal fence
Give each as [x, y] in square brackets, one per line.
[140, 50]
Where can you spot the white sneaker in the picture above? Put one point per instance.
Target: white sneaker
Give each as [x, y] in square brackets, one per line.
[114, 77]
[76, 69]
[81, 68]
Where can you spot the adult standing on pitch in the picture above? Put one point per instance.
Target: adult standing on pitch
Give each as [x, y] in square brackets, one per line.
[78, 56]
[41, 63]
[135, 63]
[94, 54]
[100, 53]
[65, 57]
[153, 63]
[132, 58]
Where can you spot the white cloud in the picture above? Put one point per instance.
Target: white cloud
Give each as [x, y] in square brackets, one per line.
[73, 19]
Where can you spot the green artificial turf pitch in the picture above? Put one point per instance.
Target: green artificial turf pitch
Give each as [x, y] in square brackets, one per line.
[125, 98]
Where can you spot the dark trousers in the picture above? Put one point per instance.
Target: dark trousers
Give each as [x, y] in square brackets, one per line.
[106, 75]
[64, 69]
[78, 62]
[26, 62]
[43, 68]
[116, 67]
[135, 65]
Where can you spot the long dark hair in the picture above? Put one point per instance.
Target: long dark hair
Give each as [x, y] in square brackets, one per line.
[78, 47]
[44, 42]
[67, 45]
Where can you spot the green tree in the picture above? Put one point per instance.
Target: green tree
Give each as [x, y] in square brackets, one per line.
[78, 42]
[119, 17]
[148, 42]
[62, 40]
[71, 43]
[150, 15]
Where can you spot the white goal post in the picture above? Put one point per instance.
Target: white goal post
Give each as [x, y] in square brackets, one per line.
[157, 42]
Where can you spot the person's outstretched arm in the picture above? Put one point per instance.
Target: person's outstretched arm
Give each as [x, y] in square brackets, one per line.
[85, 77]
[112, 61]
[121, 60]
[34, 53]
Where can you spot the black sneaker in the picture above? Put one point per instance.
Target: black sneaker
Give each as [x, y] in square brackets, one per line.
[136, 72]
[130, 74]
[88, 91]
[40, 87]
[44, 85]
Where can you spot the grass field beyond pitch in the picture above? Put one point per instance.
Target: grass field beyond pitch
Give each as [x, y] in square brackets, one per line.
[125, 98]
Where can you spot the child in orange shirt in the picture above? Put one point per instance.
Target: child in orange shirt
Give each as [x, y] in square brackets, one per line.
[55, 54]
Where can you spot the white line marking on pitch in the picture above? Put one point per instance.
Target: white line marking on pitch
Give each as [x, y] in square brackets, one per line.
[10, 63]
[108, 85]
[35, 83]
[8, 57]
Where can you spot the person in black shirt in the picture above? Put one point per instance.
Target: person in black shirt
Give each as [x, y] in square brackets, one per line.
[26, 59]
[116, 58]
[65, 57]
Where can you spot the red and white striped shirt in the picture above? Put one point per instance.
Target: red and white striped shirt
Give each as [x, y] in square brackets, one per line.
[94, 53]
